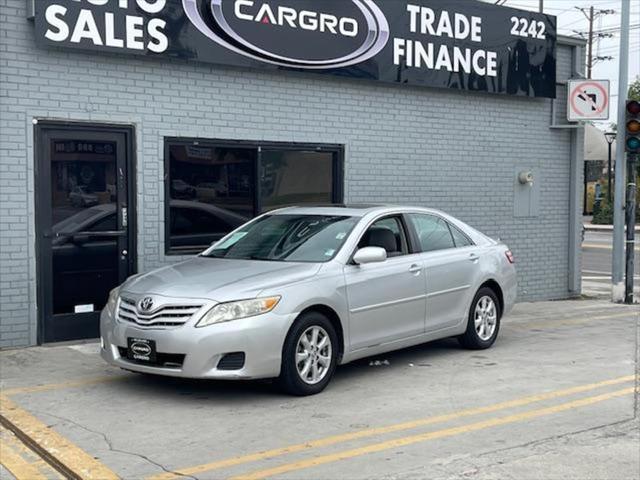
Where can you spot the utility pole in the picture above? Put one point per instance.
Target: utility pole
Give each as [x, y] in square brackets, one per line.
[617, 285]
[591, 17]
[590, 44]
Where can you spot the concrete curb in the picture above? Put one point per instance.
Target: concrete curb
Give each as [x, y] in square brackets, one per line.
[603, 228]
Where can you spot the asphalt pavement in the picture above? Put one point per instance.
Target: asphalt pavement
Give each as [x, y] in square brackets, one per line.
[556, 398]
[596, 264]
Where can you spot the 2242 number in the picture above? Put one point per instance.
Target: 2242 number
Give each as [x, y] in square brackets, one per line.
[522, 27]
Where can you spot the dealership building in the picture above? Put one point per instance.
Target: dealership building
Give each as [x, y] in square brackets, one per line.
[134, 133]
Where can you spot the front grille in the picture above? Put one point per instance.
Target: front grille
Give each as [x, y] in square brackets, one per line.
[165, 360]
[231, 361]
[165, 316]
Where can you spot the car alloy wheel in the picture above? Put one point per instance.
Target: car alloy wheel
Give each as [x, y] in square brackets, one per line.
[485, 318]
[313, 355]
[483, 322]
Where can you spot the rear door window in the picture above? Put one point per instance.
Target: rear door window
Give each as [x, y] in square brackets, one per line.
[460, 239]
[433, 232]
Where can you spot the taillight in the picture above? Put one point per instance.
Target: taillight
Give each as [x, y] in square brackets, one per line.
[509, 256]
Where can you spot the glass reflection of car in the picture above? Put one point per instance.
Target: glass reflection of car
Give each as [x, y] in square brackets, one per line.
[85, 250]
[297, 291]
[206, 192]
[181, 189]
[79, 197]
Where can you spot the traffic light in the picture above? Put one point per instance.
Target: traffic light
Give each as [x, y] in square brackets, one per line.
[632, 127]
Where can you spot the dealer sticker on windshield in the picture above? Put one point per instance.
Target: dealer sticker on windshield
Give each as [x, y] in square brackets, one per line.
[231, 240]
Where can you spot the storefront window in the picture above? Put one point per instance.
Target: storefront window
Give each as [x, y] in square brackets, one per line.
[214, 187]
[292, 177]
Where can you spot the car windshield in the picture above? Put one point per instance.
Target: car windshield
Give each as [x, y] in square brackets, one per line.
[286, 238]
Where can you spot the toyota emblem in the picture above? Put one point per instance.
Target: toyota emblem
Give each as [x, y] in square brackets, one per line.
[146, 303]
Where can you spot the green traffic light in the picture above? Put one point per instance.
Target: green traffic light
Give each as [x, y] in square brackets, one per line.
[633, 143]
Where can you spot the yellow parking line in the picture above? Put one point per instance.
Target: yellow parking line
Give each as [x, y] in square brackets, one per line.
[16, 448]
[18, 466]
[68, 454]
[324, 442]
[405, 441]
[69, 384]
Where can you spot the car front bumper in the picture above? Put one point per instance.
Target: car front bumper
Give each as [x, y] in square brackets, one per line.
[260, 338]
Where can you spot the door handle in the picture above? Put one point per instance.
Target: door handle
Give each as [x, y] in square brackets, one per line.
[415, 269]
[473, 257]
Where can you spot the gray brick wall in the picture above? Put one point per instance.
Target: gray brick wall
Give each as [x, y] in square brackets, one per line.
[449, 150]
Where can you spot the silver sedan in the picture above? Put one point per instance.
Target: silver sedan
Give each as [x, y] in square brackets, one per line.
[298, 291]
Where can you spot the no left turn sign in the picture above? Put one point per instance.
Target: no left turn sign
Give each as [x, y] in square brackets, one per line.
[588, 100]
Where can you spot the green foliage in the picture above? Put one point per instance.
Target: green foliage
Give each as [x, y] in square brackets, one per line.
[604, 216]
[634, 90]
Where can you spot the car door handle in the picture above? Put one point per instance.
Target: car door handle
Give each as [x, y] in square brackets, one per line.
[473, 257]
[415, 269]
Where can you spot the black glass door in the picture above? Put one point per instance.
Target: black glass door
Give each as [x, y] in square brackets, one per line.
[84, 217]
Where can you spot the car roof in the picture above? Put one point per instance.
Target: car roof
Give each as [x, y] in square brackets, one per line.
[351, 210]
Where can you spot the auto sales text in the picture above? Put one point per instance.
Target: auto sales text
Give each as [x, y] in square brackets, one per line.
[417, 54]
[139, 33]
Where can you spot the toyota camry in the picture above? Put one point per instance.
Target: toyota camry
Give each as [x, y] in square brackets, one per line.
[296, 292]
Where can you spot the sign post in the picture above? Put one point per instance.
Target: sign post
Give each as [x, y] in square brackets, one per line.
[630, 220]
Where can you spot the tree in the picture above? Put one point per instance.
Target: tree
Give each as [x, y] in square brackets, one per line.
[634, 90]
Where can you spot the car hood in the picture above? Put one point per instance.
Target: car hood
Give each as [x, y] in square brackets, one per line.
[219, 279]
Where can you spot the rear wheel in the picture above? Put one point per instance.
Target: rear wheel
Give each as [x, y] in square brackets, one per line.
[484, 321]
[309, 355]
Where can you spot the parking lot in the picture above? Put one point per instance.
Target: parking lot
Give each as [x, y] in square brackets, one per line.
[555, 398]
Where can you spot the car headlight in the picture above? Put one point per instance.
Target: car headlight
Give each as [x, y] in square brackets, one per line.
[225, 312]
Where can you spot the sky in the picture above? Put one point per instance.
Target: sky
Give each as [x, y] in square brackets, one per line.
[571, 21]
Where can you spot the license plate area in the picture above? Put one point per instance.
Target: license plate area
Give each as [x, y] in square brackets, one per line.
[141, 350]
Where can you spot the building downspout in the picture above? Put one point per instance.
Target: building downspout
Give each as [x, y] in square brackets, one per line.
[575, 194]
[576, 167]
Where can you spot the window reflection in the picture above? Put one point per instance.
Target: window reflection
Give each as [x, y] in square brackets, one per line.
[212, 189]
[294, 177]
[211, 193]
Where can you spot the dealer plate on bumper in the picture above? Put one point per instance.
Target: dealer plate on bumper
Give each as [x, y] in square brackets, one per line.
[141, 350]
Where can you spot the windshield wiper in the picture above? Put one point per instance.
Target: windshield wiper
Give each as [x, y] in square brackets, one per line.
[264, 259]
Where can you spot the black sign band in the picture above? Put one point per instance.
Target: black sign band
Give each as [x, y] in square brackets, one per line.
[459, 44]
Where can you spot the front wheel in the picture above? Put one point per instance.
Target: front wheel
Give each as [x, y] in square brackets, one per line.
[484, 321]
[309, 355]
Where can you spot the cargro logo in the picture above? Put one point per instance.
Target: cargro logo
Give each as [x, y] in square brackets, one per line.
[303, 34]
[141, 349]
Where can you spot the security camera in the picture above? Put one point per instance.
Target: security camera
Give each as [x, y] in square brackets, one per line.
[526, 177]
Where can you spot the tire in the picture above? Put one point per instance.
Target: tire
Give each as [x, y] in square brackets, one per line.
[486, 306]
[291, 378]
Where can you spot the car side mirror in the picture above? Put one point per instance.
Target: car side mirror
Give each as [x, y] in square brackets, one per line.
[370, 255]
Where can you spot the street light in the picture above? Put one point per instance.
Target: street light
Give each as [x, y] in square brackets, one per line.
[611, 137]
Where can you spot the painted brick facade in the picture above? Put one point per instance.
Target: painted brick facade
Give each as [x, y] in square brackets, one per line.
[451, 150]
